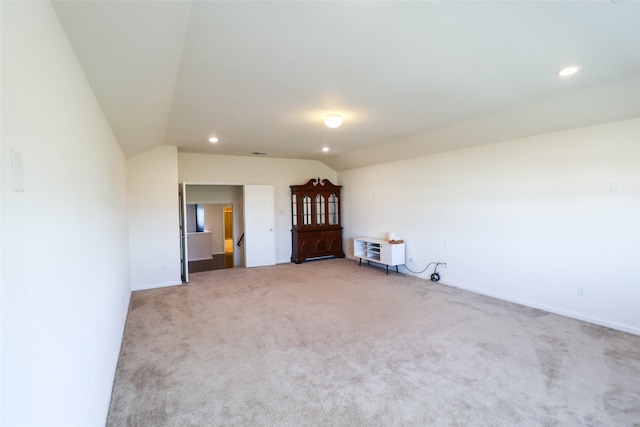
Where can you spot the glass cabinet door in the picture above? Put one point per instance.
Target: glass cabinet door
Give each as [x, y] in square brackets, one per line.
[333, 210]
[306, 210]
[320, 210]
[294, 210]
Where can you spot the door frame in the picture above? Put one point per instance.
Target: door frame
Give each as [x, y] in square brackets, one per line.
[224, 225]
[184, 247]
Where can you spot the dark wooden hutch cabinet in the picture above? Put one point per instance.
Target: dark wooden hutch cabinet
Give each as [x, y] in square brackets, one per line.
[316, 229]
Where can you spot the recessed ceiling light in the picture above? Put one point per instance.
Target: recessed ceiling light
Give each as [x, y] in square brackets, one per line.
[325, 149]
[333, 120]
[568, 71]
[213, 139]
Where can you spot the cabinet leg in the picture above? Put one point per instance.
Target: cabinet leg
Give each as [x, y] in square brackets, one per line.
[387, 270]
[360, 263]
[397, 269]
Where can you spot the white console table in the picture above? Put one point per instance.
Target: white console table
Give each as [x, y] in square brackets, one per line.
[378, 251]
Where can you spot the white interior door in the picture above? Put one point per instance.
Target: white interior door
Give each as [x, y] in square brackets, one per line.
[259, 225]
[184, 248]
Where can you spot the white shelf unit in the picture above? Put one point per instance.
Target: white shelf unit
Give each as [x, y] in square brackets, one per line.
[378, 251]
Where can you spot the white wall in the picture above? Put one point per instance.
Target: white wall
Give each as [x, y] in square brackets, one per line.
[154, 233]
[214, 222]
[1, 169]
[199, 246]
[65, 278]
[527, 220]
[191, 219]
[281, 173]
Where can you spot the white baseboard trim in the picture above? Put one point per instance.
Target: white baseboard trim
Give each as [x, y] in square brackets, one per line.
[155, 285]
[555, 310]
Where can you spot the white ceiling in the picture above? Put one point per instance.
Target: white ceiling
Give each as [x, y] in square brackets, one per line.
[410, 78]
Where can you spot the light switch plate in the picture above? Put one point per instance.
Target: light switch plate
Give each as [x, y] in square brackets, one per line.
[17, 172]
[614, 187]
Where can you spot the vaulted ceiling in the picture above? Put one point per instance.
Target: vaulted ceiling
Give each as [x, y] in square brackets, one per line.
[409, 78]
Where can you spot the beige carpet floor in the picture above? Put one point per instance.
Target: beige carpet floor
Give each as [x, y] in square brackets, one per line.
[328, 343]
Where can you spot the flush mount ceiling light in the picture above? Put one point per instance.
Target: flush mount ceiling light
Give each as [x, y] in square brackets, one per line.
[213, 139]
[325, 149]
[333, 120]
[568, 71]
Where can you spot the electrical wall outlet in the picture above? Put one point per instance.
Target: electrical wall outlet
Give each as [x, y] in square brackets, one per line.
[581, 291]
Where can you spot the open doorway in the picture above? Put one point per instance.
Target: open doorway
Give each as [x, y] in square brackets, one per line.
[257, 223]
[210, 236]
[211, 200]
[227, 218]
